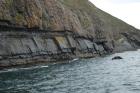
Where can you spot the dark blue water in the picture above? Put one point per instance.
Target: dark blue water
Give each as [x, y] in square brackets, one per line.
[97, 75]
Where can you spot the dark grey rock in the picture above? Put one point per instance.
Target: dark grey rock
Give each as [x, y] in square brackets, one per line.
[117, 58]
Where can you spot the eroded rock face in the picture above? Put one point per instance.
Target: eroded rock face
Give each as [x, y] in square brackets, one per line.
[90, 30]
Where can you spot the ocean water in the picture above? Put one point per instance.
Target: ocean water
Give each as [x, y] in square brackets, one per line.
[95, 75]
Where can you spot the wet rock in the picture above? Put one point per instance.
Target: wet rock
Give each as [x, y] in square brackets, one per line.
[117, 58]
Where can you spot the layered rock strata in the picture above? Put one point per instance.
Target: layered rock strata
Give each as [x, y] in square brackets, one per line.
[25, 46]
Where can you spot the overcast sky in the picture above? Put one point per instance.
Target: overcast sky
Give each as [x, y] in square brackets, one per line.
[126, 10]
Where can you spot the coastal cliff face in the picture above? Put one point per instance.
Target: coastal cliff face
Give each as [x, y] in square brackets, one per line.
[45, 30]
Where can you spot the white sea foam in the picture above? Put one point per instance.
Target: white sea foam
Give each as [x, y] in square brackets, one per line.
[18, 69]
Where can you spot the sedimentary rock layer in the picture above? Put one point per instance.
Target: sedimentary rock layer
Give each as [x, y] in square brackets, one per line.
[22, 46]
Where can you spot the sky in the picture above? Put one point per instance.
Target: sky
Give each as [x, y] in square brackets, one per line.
[126, 10]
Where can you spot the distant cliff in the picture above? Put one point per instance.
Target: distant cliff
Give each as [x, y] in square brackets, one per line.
[32, 29]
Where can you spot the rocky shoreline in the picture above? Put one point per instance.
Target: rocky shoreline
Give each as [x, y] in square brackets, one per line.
[26, 46]
[53, 30]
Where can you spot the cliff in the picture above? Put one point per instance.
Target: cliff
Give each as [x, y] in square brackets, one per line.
[50, 30]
